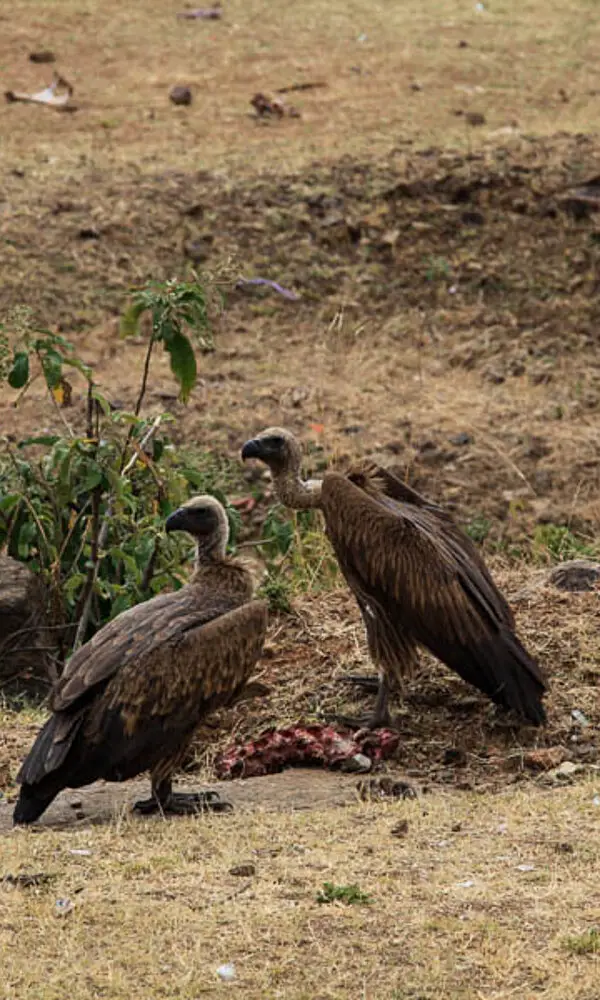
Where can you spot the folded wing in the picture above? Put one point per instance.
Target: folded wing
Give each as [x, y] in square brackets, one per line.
[421, 584]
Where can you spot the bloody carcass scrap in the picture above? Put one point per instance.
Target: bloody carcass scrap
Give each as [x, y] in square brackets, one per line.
[276, 749]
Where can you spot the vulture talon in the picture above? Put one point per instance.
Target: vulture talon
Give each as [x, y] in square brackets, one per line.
[131, 699]
[418, 579]
[146, 807]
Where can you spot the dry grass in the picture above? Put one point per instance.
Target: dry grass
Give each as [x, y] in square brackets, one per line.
[453, 913]
[378, 357]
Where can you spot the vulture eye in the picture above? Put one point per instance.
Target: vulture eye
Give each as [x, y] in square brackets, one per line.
[274, 443]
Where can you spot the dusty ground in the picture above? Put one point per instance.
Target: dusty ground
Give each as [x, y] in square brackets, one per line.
[447, 322]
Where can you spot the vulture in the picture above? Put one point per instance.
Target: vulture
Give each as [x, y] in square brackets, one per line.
[132, 697]
[418, 579]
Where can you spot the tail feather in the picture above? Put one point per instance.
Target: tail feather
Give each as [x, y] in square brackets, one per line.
[51, 747]
[32, 802]
[501, 668]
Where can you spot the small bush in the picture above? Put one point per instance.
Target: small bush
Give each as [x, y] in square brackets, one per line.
[351, 895]
[85, 507]
[587, 943]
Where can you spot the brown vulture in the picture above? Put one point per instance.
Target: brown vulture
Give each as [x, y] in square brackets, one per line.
[417, 578]
[132, 697]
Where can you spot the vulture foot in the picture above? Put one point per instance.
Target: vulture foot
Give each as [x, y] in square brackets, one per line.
[380, 718]
[183, 804]
[368, 682]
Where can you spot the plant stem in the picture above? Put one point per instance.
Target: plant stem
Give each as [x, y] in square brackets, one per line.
[101, 543]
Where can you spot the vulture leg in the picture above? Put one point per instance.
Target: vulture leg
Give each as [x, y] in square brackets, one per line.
[380, 718]
[166, 801]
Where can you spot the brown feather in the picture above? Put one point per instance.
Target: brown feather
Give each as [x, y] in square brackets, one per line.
[417, 582]
[133, 696]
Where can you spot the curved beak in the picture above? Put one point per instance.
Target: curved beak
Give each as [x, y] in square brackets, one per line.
[252, 449]
[177, 521]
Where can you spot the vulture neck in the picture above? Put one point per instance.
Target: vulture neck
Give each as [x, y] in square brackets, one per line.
[209, 553]
[294, 492]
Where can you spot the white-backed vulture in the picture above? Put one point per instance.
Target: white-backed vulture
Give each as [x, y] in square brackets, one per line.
[417, 578]
[132, 697]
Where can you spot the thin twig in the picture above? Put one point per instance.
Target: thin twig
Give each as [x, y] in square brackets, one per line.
[140, 399]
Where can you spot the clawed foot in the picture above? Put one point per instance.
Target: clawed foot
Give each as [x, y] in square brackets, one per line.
[183, 804]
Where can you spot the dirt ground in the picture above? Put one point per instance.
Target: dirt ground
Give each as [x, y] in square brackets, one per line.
[435, 210]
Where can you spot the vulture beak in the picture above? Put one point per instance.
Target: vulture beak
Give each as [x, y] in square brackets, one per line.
[252, 449]
[178, 520]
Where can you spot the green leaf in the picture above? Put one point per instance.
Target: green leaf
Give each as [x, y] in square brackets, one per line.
[194, 477]
[19, 372]
[52, 366]
[93, 478]
[102, 402]
[7, 503]
[26, 536]
[47, 439]
[130, 320]
[183, 364]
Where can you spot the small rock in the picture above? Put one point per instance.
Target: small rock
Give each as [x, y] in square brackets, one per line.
[62, 907]
[353, 429]
[580, 718]
[564, 848]
[462, 44]
[400, 829]
[227, 972]
[385, 787]
[468, 884]
[456, 827]
[416, 86]
[544, 759]
[244, 870]
[525, 868]
[43, 56]
[455, 756]
[494, 376]
[89, 233]
[181, 95]
[566, 771]
[474, 118]
[461, 439]
[358, 764]
[576, 574]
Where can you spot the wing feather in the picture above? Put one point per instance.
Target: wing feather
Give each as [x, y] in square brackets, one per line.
[130, 637]
[153, 700]
[421, 583]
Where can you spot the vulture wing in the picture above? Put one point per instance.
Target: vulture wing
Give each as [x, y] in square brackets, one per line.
[131, 636]
[391, 490]
[418, 584]
[144, 681]
[153, 706]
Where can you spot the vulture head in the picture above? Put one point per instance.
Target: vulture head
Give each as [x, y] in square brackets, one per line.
[277, 448]
[280, 451]
[203, 518]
